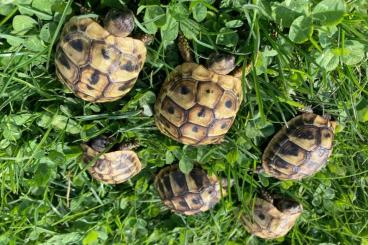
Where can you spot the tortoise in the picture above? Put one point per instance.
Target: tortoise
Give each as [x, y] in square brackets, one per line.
[198, 105]
[113, 167]
[272, 218]
[301, 148]
[190, 193]
[98, 64]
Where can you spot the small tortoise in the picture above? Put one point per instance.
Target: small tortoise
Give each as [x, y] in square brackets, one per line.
[97, 64]
[196, 105]
[190, 193]
[112, 167]
[272, 218]
[299, 149]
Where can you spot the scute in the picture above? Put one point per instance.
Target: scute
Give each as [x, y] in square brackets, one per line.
[85, 46]
[183, 92]
[66, 70]
[190, 99]
[208, 94]
[220, 127]
[301, 149]
[96, 32]
[103, 57]
[77, 48]
[193, 131]
[200, 115]
[227, 106]
[187, 193]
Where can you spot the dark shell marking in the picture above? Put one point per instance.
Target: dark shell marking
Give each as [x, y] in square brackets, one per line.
[187, 193]
[301, 149]
[87, 47]
[194, 104]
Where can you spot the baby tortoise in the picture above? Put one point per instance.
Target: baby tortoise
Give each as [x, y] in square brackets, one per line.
[301, 148]
[112, 167]
[190, 193]
[98, 64]
[198, 105]
[272, 218]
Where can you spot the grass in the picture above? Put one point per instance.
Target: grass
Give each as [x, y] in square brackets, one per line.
[47, 197]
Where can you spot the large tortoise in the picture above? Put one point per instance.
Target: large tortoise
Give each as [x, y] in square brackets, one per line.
[98, 64]
[198, 105]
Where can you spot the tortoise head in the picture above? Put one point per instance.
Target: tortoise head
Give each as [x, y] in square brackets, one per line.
[221, 63]
[100, 144]
[219, 188]
[119, 22]
[288, 206]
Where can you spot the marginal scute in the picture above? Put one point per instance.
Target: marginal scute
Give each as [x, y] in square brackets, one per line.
[320, 121]
[227, 82]
[96, 32]
[301, 149]
[167, 127]
[327, 136]
[65, 68]
[193, 131]
[220, 127]
[202, 74]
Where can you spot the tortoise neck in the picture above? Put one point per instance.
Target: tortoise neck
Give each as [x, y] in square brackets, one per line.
[184, 49]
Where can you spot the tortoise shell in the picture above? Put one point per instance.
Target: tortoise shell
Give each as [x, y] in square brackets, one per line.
[190, 193]
[197, 106]
[301, 148]
[272, 220]
[96, 65]
[112, 167]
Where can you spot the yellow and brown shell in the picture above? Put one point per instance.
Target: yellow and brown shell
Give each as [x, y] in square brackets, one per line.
[112, 167]
[96, 65]
[190, 193]
[197, 106]
[268, 221]
[301, 148]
